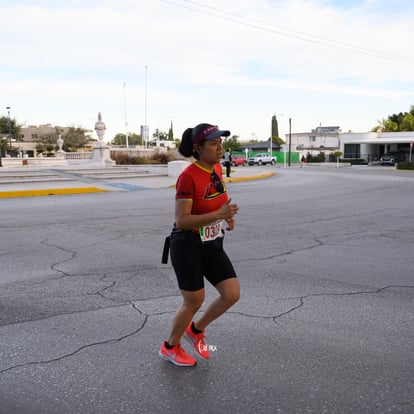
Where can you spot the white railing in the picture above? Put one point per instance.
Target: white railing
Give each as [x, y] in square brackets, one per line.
[78, 155]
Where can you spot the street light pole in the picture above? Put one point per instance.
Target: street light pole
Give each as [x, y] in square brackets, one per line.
[146, 125]
[8, 109]
[290, 137]
[125, 115]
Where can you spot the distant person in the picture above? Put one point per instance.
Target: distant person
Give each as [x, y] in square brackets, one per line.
[203, 211]
[227, 161]
[302, 161]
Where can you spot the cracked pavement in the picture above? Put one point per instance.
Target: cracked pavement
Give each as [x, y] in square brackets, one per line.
[324, 325]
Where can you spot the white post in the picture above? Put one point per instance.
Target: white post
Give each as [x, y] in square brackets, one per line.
[146, 70]
[125, 114]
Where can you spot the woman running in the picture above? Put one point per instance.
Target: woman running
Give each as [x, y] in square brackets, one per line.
[203, 211]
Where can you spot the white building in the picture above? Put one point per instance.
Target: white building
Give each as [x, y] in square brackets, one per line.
[321, 139]
[371, 145]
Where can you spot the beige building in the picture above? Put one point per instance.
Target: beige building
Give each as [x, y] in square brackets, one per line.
[28, 136]
[32, 132]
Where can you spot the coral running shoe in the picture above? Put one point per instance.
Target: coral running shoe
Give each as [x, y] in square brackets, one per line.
[197, 341]
[176, 356]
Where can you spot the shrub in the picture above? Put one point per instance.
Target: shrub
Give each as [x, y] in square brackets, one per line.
[162, 158]
[316, 158]
[406, 165]
[126, 158]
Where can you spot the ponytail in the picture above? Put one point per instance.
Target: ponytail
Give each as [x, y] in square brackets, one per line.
[186, 146]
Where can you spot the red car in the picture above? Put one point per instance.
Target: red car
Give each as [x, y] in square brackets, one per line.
[238, 159]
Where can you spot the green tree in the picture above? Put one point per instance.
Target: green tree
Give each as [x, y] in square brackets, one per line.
[232, 143]
[133, 139]
[6, 127]
[162, 135]
[275, 128]
[171, 133]
[14, 127]
[47, 142]
[396, 122]
[407, 123]
[74, 138]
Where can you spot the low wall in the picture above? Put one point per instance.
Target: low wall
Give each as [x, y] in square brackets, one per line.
[176, 167]
[172, 169]
[34, 162]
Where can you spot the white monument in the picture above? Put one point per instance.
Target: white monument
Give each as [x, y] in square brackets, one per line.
[59, 152]
[101, 151]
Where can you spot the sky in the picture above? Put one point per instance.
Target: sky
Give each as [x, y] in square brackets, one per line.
[233, 64]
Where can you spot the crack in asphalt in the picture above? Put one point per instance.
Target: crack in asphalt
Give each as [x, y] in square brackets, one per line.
[286, 253]
[301, 300]
[81, 348]
[312, 295]
[110, 284]
[72, 253]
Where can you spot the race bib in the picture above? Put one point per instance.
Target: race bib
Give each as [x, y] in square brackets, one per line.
[211, 232]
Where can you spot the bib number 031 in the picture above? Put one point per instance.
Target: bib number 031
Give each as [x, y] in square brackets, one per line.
[211, 232]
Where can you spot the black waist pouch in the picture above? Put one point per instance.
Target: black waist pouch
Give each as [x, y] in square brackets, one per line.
[166, 250]
[189, 235]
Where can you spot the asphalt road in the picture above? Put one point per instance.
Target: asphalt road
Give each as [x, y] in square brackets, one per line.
[324, 325]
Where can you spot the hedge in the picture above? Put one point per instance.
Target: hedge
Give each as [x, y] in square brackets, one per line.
[406, 165]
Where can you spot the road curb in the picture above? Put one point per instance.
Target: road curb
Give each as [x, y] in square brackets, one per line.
[85, 190]
[239, 179]
[50, 191]
[249, 178]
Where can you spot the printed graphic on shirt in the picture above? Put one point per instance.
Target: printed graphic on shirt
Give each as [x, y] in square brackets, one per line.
[215, 188]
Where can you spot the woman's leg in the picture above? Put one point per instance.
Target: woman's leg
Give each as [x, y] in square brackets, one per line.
[229, 294]
[192, 302]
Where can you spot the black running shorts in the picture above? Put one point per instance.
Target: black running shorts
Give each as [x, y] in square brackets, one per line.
[193, 260]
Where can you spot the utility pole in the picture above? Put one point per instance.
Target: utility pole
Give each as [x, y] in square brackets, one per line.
[125, 114]
[146, 125]
[10, 136]
[290, 139]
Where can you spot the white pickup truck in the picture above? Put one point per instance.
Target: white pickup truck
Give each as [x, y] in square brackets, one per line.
[262, 159]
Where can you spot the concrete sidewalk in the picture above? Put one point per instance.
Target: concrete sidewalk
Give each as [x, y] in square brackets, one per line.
[36, 181]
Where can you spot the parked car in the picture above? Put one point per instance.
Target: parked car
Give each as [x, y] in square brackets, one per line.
[238, 159]
[262, 159]
[391, 158]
